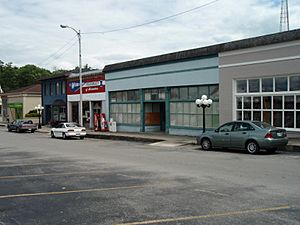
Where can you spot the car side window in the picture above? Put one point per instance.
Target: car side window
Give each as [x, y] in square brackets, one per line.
[242, 127]
[247, 126]
[226, 127]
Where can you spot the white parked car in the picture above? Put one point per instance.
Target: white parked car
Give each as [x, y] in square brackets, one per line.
[66, 130]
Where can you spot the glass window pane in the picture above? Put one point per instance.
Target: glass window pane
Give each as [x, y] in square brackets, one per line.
[193, 108]
[214, 92]
[184, 93]
[297, 119]
[256, 102]
[172, 107]
[277, 102]
[215, 121]
[161, 94]
[113, 96]
[277, 119]
[280, 83]
[186, 120]
[186, 107]
[239, 115]
[298, 102]
[247, 115]
[173, 118]
[289, 102]
[289, 119]
[208, 121]
[294, 83]
[179, 107]
[267, 102]
[200, 120]
[241, 86]
[203, 90]
[179, 120]
[254, 85]
[247, 102]
[267, 117]
[215, 107]
[239, 102]
[193, 121]
[129, 108]
[119, 96]
[174, 93]
[147, 95]
[267, 84]
[193, 93]
[257, 115]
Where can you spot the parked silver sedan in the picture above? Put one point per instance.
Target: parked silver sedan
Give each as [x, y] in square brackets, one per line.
[66, 130]
[249, 135]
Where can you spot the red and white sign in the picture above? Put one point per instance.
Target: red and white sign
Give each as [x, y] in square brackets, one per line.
[93, 85]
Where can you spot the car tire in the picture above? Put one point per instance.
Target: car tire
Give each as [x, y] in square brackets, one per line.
[32, 131]
[64, 136]
[52, 134]
[18, 130]
[206, 144]
[252, 147]
[9, 130]
[82, 137]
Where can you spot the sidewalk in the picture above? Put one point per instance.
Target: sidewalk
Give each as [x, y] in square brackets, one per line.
[162, 139]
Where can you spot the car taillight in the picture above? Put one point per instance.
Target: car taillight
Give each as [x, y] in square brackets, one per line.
[70, 130]
[269, 135]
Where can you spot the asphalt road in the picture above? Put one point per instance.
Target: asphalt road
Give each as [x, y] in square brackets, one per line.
[46, 181]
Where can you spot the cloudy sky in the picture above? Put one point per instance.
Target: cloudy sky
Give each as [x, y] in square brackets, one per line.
[30, 31]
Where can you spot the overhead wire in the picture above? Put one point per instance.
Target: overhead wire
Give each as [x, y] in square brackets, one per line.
[153, 21]
[122, 29]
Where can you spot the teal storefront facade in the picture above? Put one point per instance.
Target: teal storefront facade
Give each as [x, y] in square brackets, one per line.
[158, 94]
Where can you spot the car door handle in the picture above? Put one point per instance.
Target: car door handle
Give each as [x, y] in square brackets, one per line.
[226, 133]
[244, 132]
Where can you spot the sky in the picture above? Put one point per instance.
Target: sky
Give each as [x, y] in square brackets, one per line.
[30, 30]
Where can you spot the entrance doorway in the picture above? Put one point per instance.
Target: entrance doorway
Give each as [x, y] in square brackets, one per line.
[155, 116]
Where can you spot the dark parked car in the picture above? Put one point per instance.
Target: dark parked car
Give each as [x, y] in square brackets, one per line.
[22, 126]
[249, 135]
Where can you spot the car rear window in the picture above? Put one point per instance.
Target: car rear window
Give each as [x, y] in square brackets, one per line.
[262, 125]
[28, 122]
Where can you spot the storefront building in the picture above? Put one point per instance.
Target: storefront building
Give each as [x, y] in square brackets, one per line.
[93, 96]
[157, 94]
[17, 103]
[251, 79]
[261, 80]
[54, 99]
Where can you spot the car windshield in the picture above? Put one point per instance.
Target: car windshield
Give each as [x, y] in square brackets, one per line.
[262, 124]
[72, 125]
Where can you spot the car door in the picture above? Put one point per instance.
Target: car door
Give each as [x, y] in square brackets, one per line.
[58, 130]
[221, 137]
[240, 134]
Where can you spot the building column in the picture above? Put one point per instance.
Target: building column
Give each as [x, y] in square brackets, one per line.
[167, 105]
[142, 112]
[91, 114]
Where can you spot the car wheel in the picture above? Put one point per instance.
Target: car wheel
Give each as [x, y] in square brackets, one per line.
[252, 147]
[206, 144]
[82, 137]
[32, 131]
[64, 136]
[18, 130]
[9, 130]
[52, 134]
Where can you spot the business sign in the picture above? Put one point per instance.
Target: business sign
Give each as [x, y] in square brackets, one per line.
[93, 85]
[15, 105]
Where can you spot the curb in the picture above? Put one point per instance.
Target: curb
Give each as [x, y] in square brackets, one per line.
[123, 138]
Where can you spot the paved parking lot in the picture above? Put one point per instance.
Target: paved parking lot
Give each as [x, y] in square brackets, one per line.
[52, 181]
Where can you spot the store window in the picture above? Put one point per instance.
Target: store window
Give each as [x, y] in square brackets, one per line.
[184, 112]
[275, 100]
[154, 94]
[63, 87]
[58, 88]
[125, 107]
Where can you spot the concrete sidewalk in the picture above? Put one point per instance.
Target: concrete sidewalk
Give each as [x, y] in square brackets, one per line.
[162, 139]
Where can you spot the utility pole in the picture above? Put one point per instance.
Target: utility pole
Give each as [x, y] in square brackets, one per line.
[284, 16]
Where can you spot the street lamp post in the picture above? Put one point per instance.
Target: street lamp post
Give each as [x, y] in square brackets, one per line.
[39, 108]
[80, 71]
[203, 102]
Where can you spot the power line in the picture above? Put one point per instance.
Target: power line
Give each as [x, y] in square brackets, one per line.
[153, 21]
[58, 56]
[56, 52]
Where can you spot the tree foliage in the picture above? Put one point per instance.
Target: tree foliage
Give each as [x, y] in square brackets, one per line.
[13, 77]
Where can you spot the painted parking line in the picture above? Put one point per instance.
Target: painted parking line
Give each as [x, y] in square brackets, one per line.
[72, 191]
[213, 215]
[48, 174]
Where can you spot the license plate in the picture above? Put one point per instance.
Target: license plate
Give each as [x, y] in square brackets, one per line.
[279, 134]
[77, 134]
